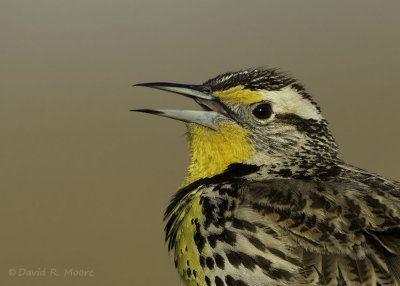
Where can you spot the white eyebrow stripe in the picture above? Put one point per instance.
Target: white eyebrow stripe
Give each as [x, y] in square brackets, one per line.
[288, 100]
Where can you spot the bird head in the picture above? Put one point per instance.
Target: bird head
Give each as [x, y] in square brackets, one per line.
[254, 116]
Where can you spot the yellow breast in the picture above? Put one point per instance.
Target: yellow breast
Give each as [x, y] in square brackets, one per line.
[187, 256]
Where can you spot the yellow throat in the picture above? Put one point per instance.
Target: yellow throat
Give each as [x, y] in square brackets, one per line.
[212, 151]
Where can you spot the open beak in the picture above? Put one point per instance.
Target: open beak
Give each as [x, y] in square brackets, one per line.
[213, 109]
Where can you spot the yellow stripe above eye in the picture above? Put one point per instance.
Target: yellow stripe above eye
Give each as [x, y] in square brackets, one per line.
[238, 94]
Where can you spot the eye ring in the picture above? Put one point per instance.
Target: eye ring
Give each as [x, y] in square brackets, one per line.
[262, 111]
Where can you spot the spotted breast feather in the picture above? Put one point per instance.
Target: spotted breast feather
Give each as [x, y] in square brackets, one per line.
[342, 230]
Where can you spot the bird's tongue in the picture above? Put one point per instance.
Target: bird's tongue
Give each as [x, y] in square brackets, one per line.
[210, 105]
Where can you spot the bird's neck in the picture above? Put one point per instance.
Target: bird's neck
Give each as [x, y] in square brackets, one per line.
[212, 151]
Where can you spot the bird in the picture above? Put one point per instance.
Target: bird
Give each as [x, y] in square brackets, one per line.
[267, 199]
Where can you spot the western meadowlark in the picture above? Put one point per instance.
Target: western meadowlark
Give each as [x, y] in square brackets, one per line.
[267, 200]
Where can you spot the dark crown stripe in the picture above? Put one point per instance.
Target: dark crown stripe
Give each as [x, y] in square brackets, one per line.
[253, 79]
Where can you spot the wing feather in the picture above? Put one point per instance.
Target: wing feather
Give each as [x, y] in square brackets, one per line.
[348, 232]
[329, 270]
[357, 272]
[312, 266]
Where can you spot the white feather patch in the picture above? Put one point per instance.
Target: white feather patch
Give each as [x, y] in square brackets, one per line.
[288, 100]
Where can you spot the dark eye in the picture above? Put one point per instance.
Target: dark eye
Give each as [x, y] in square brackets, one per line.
[262, 111]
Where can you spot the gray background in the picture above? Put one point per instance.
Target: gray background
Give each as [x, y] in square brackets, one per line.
[84, 182]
